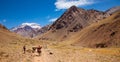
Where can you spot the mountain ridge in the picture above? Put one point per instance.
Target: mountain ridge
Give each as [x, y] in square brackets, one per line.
[113, 10]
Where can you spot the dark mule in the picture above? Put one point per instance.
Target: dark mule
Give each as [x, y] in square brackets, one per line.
[39, 50]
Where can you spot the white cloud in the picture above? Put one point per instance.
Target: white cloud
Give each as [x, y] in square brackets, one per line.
[53, 19]
[48, 17]
[4, 20]
[64, 4]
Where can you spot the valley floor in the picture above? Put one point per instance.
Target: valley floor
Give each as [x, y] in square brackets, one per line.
[67, 54]
[76, 55]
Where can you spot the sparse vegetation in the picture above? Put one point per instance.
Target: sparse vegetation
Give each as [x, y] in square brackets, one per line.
[99, 42]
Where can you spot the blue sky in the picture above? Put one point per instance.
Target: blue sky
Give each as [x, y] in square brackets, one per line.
[16, 12]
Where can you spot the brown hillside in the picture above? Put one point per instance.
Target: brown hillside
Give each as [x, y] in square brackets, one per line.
[3, 27]
[105, 33]
[11, 46]
[6, 35]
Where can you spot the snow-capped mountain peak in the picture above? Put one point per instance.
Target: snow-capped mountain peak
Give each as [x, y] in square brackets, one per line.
[27, 29]
[33, 25]
[30, 30]
[23, 25]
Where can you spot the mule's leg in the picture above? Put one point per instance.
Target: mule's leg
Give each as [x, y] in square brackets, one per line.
[39, 52]
[33, 49]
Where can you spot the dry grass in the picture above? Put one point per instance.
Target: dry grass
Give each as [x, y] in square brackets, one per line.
[11, 46]
[78, 54]
[98, 33]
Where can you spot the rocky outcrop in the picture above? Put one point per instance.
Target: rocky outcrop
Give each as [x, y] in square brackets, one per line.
[43, 30]
[113, 10]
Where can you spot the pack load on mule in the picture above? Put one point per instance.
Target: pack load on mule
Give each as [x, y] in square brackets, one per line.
[37, 49]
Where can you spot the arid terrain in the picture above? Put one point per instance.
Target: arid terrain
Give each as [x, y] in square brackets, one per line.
[77, 36]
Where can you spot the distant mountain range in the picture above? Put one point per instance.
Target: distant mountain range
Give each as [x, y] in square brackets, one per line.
[32, 25]
[29, 30]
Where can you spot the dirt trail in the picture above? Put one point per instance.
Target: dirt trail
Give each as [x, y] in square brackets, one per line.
[46, 56]
[64, 55]
[38, 59]
[42, 58]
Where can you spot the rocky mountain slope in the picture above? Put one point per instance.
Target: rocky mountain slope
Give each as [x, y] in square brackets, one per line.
[72, 21]
[105, 33]
[43, 29]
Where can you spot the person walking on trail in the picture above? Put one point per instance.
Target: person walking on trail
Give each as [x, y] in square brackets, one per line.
[24, 49]
[39, 50]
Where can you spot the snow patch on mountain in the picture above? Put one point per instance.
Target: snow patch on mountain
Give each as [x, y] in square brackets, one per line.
[32, 25]
[27, 29]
